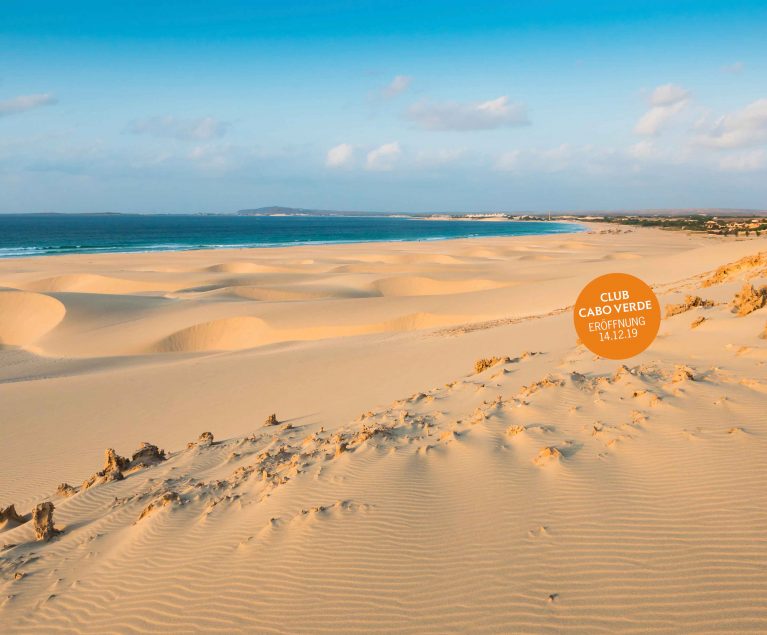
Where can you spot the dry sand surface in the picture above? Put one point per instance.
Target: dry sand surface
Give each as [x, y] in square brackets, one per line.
[401, 490]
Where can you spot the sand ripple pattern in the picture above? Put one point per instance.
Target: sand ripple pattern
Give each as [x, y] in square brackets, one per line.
[485, 505]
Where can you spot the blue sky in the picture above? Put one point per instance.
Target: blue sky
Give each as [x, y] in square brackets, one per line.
[388, 106]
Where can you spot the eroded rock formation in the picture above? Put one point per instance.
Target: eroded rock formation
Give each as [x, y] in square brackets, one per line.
[42, 518]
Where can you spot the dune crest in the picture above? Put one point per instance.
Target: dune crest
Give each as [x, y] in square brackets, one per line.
[238, 333]
[94, 283]
[226, 334]
[25, 317]
[420, 286]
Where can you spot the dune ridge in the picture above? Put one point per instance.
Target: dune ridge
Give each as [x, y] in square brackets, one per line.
[243, 332]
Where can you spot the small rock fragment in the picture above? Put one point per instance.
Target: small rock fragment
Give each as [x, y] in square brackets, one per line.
[168, 498]
[271, 420]
[488, 362]
[697, 322]
[205, 439]
[682, 373]
[547, 455]
[66, 490]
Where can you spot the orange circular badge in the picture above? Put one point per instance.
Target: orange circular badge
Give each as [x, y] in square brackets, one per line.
[617, 316]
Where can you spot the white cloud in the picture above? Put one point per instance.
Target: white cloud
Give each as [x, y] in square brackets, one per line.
[655, 119]
[735, 68]
[668, 95]
[397, 86]
[201, 129]
[511, 161]
[666, 101]
[436, 158]
[383, 157]
[743, 128]
[553, 159]
[339, 156]
[643, 150]
[212, 156]
[22, 103]
[565, 159]
[750, 161]
[484, 115]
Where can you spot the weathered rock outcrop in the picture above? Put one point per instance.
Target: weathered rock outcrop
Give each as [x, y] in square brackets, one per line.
[112, 470]
[42, 518]
[726, 272]
[488, 362]
[147, 455]
[115, 466]
[749, 299]
[690, 302]
[10, 518]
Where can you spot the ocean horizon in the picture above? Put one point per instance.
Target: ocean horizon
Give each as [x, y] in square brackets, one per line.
[28, 235]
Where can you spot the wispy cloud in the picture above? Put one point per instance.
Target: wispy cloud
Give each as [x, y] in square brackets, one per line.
[483, 115]
[546, 160]
[740, 129]
[735, 68]
[438, 158]
[397, 86]
[340, 156]
[750, 161]
[202, 129]
[666, 101]
[383, 157]
[22, 103]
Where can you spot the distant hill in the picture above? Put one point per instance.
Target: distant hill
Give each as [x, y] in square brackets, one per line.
[275, 210]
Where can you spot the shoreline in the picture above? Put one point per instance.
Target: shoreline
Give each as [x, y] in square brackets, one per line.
[584, 227]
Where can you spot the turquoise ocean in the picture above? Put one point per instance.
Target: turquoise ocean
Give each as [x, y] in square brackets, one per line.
[50, 234]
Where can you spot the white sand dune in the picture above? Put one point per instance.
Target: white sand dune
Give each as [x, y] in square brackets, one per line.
[245, 267]
[421, 285]
[245, 332]
[225, 334]
[25, 317]
[401, 491]
[94, 283]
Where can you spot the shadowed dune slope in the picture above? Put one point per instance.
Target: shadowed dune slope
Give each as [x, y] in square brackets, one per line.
[25, 317]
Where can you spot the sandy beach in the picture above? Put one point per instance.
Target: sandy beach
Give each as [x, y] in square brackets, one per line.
[401, 489]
